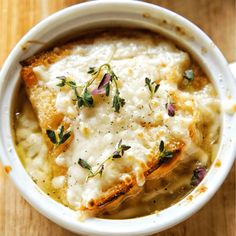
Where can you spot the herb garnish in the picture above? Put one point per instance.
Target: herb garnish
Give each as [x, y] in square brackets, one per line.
[84, 99]
[189, 75]
[165, 155]
[104, 86]
[121, 148]
[118, 153]
[84, 164]
[198, 175]
[152, 86]
[65, 81]
[59, 138]
[92, 70]
[118, 102]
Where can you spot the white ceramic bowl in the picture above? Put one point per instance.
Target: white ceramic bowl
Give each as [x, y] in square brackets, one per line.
[118, 13]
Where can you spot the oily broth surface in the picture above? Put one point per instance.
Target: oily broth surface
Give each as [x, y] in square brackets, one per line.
[155, 195]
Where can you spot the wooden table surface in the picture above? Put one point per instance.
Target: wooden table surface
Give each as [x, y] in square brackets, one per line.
[217, 18]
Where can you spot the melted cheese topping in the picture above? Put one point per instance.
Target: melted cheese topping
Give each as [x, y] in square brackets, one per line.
[141, 123]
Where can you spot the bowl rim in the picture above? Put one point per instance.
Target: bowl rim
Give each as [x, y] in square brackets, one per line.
[80, 227]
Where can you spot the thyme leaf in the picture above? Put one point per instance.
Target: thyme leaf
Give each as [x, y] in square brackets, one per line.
[64, 138]
[189, 75]
[118, 102]
[107, 89]
[92, 70]
[161, 146]
[61, 132]
[65, 81]
[148, 84]
[85, 99]
[121, 148]
[52, 136]
[84, 164]
[101, 170]
[165, 155]
[59, 138]
[156, 87]
[152, 86]
[118, 153]
[124, 147]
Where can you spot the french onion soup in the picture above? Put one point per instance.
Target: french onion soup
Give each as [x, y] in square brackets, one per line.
[117, 124]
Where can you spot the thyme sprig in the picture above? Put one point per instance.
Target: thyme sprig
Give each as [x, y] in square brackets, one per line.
[65, 81]
[120, 150]
[59, 138]
[117, 101]
[118, 153]
[84, 99]
[152, 86]
[84, 164]
[164, 155]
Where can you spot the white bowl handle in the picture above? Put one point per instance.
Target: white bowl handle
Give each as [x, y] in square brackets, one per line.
[232, 67]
